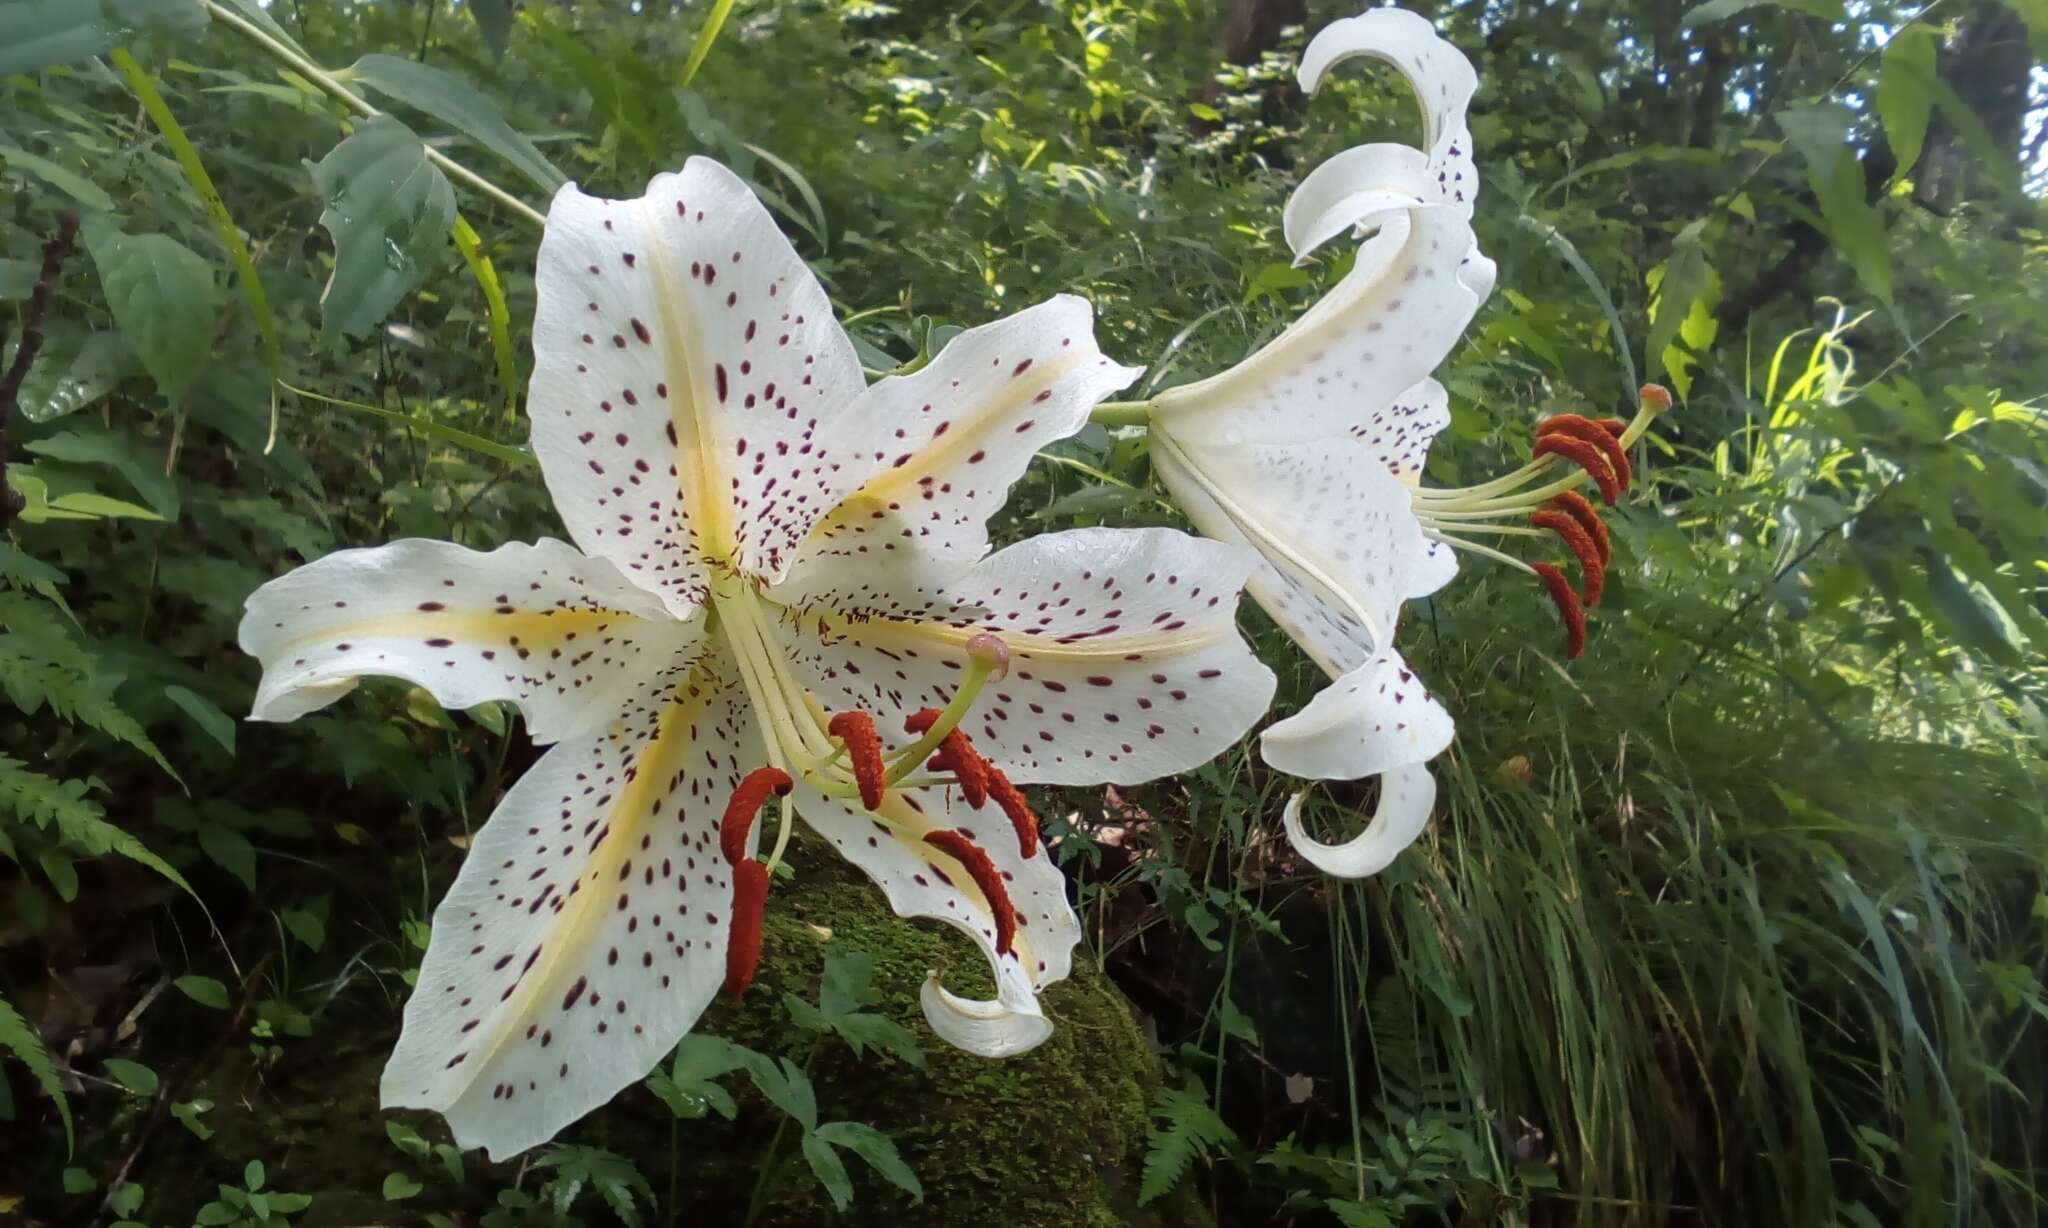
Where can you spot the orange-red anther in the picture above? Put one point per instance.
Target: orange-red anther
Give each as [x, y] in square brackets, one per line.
[1568, 608]
[1613, 426]
[746, 801]
[1586, 457]
[1592, 571]
[1011, 799]
[743, 940]
[1599, 436]
[864, 749]
[956, 755]
[1581, 509]
[983, 871]
[1654, 397]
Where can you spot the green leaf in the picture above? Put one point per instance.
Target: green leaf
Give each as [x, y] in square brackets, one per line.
[74, 185]
[494, 22]
[78, 1181]
[788, 1088]
[65, 379]
[1679, 283]
[26, 1044]
[877, 1149]
[714, 21]
[62, 873]
[252, 1176]
[457, 103]
[125, 1198]
[163, 297]
[188, 1112]
[1820, 132]
[1855, 227]
[206, 714]
[308, 925]
[35, 34]
[94, 445]
[1905, 92]
[398, 1187]
[230, 850]
[390, 211]
[205, 991]
[134, 1076]
[829, 1169]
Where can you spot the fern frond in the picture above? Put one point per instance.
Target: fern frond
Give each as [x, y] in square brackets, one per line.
[1190, 1129]
[62, 808]
[38, 675]
[18, 1038]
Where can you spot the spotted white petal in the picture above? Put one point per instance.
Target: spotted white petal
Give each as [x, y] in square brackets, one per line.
[1335, 531]
[1406, 795]
[1378, 332]
[684, 361]
[1351, 189]
[921, 880]
[564, 637]
[587, 929]
[1376, 718]
[923, 460]
[1438, 72]
[1003, 1026]
[1125, 661]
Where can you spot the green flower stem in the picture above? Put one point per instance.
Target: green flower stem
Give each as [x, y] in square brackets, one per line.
[1121, 413]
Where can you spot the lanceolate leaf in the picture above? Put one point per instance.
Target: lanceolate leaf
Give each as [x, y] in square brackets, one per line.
[456, 103]
[1905, 92]
[389, 210]
[163, 297]
[1684, 280]
[1820, 132]
[36, 34]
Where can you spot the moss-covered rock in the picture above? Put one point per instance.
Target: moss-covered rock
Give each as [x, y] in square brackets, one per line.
[1049, 1139]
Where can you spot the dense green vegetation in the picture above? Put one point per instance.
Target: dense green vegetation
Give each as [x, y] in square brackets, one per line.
[1739, 918]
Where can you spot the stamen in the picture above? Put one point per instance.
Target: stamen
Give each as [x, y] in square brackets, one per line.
[1613, 426]
[956, 755]
[1580, 427]
[1592, 570]
[1655, 398]
[864, 748]
[745, 803]
[985, 876]
[1568, 608]
[1011, 800]
[743, 941]
[1580, 509]
[1587, 457]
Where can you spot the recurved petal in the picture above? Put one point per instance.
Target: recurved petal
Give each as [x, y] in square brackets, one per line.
[1406, 795]
[1399, 433]
[587, 929]
[564, 637]
[1003, 1026]
[1349, 189]
[1438, 72]
[1378, 332]
[1376, 718]
[1125, 659]
[923, 460]
[921, 880]
[1335, 530]
[684, 360]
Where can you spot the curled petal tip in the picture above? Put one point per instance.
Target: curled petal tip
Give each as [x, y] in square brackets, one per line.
[1406, 795]
[1004, 1027]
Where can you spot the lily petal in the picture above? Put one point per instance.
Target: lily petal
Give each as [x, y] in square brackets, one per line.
[1350, 189]
[921, 880]
[1374, 719]
[1376, 334]
[684, 360]
[587, 929]
[1125, 661]
[1333, 528]
[1005, 1026]
[563, 636]
[1438, 72]
[1406, 795]
[925, 459]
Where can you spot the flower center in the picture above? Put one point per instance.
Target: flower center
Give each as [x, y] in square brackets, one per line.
[841, 756]
[1535, 501]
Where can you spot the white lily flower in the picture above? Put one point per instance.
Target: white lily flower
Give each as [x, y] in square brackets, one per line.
[1311, 450]
[776, 569]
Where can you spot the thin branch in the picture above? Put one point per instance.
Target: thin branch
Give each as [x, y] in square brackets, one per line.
[55, 251]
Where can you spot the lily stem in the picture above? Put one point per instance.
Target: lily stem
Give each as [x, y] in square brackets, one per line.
[1121, 413]
[361, 106]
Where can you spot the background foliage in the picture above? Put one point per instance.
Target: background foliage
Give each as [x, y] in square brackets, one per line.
[1741, 916]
